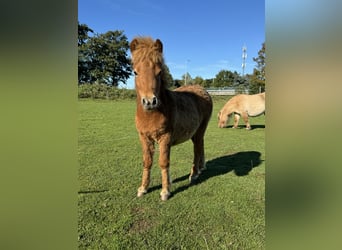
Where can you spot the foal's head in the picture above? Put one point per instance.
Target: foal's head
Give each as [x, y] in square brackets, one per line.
[223, 118]
[148, 62]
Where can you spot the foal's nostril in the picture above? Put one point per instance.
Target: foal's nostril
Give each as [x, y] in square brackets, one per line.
[149, 103]
[154, 101]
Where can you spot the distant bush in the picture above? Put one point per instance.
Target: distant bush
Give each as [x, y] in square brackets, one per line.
[104, 91]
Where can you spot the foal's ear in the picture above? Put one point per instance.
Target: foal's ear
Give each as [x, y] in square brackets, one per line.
[133, 44]
[158, 45]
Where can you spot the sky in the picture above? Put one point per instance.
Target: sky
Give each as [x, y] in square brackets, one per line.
[199, 37]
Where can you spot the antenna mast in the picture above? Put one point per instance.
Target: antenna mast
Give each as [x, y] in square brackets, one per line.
[244, 56]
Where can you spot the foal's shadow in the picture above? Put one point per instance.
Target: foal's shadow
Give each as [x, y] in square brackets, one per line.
[257, 126]
[241, 163]
[244, 126]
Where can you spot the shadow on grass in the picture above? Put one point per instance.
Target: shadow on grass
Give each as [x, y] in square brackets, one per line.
[92, 191]
[241, 163]
[257, 126]
[244, 126]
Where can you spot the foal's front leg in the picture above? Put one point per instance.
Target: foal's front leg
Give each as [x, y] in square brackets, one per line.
[148, 151]
[236, 120]
[164, 163]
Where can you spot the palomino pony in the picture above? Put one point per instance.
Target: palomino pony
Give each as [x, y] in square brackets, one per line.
[166, 117]
[242, 105]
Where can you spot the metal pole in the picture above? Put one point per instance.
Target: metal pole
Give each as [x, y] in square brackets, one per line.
[244, 56]
[186, 70]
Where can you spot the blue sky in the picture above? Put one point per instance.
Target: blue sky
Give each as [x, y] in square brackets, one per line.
[201, 37]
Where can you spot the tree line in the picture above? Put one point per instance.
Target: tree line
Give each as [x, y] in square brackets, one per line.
[103, 59]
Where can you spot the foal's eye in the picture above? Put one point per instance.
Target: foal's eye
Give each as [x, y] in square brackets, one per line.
[135, 73]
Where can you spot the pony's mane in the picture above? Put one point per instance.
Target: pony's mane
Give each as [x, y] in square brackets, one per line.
[146, 51]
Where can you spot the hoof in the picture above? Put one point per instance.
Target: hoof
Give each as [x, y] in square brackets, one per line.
[193, 178]
[141, 192]
[165, 196]
[203, 168]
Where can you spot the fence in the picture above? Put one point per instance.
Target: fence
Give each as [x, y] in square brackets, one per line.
[227, 91]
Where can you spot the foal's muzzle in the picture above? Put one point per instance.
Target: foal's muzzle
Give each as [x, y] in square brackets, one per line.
[149, 103]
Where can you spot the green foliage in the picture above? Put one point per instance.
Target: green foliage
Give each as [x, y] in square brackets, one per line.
[178, 83]
[104, 91]
[103, 58]
[209, 82]
[200, 81]
[83, 31]
[84, 57]
[225, 78]
[225, 210]
[261, 63]
[258, 78]
[168, 77]
[240, 89]
[187, 79]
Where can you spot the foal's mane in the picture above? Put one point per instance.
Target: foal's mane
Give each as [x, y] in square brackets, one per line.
[146, 50]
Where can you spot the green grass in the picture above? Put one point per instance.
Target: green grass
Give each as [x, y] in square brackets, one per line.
[224, 210]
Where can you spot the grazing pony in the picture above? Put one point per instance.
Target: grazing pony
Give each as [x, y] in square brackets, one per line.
[166, 117]
[242, 105]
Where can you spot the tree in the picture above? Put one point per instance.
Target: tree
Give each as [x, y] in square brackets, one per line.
[109, 61]
[258, 78]
[209, 82]
[200, 81]
[83, 53]
[186, 78]
[103, 57]
[225, 78]
[167, 77]
[178, 83]
[83, 36]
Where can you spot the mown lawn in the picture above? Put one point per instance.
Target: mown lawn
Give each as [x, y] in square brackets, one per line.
[224, 210]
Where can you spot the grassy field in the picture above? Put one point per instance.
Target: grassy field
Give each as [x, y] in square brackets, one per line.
[225, 209]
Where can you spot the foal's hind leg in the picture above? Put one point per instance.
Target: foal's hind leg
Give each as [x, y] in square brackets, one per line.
[198, 163]
[245, 118]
